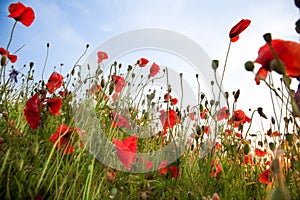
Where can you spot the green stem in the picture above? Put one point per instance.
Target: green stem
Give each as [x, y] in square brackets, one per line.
[11, 35]
[223, 73]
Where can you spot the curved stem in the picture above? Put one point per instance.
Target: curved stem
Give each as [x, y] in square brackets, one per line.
[223, 73]
[11, 35]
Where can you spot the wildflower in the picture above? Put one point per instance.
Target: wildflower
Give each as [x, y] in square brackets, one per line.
[21, 13]
[111, 176]
[54, 105]
[238, 29]
[12, 58]
[164, 169]
[168, 97]
[101, 56]
[62, 139]
[32, 111]
[248, 159]
[13, 75]
[54, 82]
[216, 169]
[119, 120]
[126, 150]
[218, 145]
[203, 114]
[239, 117]
[259, 152]
[264, 177]
[168, 119]
[154, 69]
[288, 53]
[142, 62]
[145, 164]
[119, 82]
[222, 114]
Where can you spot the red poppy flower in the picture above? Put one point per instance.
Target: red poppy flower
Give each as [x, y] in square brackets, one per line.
[192, 116]
[54, 82]
[168, 119]
[119, 82]
[222, 114]
[218, 145]
[238, 29]
[215, 169]
[168, 97]
[119, 120]
[264, 177]
[203, 114]
[248, 159]
[21, 13]
[54, 105]
[154, 69]
[12, 58]
[164, 169]
[287, 51]
[126, 150]
[239, 117]
[111, 176]
[62, 139]
[146, 164]
[142, 62]
[259, 152]
[32, 111]
[101, 56]
[206, 129]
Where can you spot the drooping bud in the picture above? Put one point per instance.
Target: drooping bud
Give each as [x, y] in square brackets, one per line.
[249, 66]
[268, 37]
[215, 64]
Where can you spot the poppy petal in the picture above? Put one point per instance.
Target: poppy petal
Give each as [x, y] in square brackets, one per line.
[32, 111]
[126, 150]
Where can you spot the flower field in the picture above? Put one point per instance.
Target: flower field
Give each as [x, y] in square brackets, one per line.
[110, 133]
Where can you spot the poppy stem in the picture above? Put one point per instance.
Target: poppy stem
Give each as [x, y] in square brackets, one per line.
[11, 35]
[46, 59]
[223, 73]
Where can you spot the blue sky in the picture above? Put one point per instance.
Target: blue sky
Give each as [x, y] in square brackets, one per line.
[68, 25]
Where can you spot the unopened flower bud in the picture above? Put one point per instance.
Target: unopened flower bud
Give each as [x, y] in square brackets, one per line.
[268, 37]
[249, 66]
[3, 61]
[215, 64]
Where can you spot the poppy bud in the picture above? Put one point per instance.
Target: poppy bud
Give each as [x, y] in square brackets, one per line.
[129, 68]
[249, 66]
[268, 37]
[226, 95]
[297, 3]
[215, 64]
[31, 64]
[236, 95]
[111, 89]
[212, 83]
[297, 28]
[102, 84]
[197, 75]
[261, 113]
[48, 45]
[272, 120]
[246, 149]
[277, 66]
[87, 46]
[272, 146]
[3, 61]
